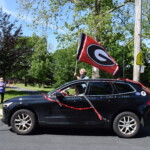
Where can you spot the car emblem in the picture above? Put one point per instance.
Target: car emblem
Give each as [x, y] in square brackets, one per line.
[143, 93]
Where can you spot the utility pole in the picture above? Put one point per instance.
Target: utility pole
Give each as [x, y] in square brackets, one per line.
[97, 11]
[95, 72]
[137, 38]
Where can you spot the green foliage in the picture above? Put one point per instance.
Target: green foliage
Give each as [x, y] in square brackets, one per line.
[11, 93]
[71, 17]
[40, 69]
[63, 65]
[13, 49]
[145, 77]
[146, 21]
[110, 22]
[26, 59]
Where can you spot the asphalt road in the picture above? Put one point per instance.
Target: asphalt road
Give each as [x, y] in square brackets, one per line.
[71, 139]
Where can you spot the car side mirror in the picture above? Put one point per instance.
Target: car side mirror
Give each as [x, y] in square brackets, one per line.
[59, 96]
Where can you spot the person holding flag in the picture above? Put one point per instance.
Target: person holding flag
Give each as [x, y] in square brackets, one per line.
[83, 75]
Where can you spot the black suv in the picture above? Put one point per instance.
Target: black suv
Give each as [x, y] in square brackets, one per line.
[121, 104]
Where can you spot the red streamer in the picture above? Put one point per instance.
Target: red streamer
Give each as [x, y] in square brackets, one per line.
[71, 107]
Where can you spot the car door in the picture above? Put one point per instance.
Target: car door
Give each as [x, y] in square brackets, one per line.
[102, 95]
[76, 108]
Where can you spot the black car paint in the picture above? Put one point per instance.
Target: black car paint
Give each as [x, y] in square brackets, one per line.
[108, 106]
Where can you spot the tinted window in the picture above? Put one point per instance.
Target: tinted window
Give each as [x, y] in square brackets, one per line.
[123, 87]
[100, 88]
[74, 90]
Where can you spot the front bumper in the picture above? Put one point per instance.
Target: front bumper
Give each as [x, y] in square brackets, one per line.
[6, 114]
[5, 118]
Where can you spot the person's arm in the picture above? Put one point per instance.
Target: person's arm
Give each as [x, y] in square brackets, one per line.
[75, 74]
[5, 84]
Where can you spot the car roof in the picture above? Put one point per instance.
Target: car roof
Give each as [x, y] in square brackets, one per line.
[97, 79]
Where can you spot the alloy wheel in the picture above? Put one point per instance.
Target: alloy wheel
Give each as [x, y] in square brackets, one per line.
[127, 125]
[23, 122]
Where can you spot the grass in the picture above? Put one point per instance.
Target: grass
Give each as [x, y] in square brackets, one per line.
[36, 88]
[13, 93]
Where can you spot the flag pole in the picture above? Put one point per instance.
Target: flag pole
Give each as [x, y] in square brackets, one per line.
[76, 66]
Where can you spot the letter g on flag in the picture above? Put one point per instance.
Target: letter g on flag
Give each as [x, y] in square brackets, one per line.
[99, 56]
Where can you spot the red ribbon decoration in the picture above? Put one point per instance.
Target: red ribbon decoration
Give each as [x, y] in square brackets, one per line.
[75, 108]
[71, 107]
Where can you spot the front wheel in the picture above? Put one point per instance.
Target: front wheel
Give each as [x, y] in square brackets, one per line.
[126, 125]
[23, 121]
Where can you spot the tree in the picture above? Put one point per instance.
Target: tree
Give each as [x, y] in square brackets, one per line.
[25, 65]
[40, 69]
[110, 22]
[145, 19]
[93, 17]
[13, 49]
[63, 65]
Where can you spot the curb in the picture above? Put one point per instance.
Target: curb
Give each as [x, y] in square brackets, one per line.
[1, 112]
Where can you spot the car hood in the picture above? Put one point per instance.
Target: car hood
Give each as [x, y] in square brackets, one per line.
[28, 98]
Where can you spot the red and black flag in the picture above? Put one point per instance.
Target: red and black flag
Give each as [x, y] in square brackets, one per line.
[91, 52]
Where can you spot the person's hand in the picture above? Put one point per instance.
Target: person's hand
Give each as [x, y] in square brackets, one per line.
[75, 74]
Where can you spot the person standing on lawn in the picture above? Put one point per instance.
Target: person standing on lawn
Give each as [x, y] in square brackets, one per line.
[2, 89]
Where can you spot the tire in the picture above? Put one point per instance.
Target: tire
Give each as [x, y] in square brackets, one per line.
[126, 125]
[23, 121]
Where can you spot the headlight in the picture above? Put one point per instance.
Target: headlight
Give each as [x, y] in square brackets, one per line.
[7, 104]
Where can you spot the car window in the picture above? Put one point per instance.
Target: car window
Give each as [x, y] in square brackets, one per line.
[100, 88]
[75, 90]
[123, 87]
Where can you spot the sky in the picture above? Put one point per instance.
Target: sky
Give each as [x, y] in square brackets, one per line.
[11, 7]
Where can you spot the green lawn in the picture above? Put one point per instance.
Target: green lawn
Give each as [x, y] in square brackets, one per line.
[13, 93]
[36, 88]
